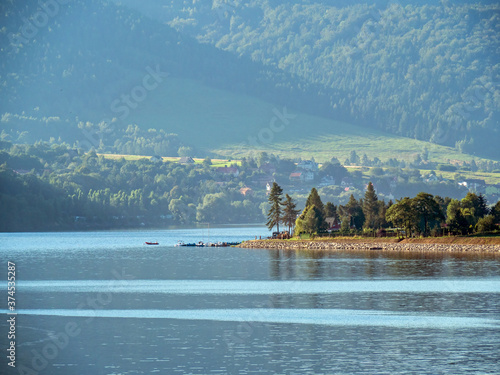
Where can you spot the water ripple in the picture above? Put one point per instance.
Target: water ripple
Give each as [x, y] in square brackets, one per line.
[248, 287]
[328, 317]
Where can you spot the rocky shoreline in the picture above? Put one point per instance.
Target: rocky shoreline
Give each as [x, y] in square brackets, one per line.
[367, 246]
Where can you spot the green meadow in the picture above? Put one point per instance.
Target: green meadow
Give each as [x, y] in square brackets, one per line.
[232, 125]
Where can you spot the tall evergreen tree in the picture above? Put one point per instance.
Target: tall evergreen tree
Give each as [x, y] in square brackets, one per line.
[371, 207]
[274, 215]
[330, 210]
[315, 200]
[289, 213]
[312, 219]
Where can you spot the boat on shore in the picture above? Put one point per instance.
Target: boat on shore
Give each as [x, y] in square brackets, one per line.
[207, 244]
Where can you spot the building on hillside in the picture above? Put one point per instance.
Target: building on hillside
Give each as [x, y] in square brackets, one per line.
[474, 185]
[156, 159]
[186, 160]
[327, 181]
[246, 192]
[304, 176]
[309, 165]
[346, 182]
[430, 178]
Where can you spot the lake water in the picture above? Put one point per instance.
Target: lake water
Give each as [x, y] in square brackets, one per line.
[105, 303]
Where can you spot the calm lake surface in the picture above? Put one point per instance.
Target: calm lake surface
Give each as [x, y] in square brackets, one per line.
[105, 303]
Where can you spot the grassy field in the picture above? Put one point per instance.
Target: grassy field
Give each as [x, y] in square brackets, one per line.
[215, 162]
[490, 178]
[234, 125]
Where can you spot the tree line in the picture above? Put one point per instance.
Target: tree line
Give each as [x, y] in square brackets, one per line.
[56, 187]
[423, 215]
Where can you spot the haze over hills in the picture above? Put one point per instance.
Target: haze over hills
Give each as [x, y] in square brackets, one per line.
[220, 72]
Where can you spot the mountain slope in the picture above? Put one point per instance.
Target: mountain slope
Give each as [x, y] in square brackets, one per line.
[235, 125]
[415, 68]
[93, 58]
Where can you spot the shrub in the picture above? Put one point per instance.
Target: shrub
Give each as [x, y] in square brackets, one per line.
[446, 167]
[485, 224]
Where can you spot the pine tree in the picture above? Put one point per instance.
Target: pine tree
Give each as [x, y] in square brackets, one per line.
[371, 207]
[330, 210]
[312, 219]
[315, 200]
[274, 214]
[289, 213]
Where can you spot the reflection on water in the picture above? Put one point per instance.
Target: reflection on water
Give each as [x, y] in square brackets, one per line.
[167, 310]
[313, 264]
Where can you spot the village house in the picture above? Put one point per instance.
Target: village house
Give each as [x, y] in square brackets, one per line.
[304, 176]
[186, 160]
[430, 178]
[346, 182]
[474, 185]
[309, 165]
[327, 181]
[246, 192]
[333, 224]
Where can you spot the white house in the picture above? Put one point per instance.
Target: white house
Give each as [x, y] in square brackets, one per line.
[309, 165]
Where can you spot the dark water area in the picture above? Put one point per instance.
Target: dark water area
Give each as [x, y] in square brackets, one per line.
[105, 303]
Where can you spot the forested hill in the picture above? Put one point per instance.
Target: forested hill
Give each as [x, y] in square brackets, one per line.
[422, 69]
[90, 52]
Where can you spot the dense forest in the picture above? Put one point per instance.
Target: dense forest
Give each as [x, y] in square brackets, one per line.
[417, 69]
[61, 188]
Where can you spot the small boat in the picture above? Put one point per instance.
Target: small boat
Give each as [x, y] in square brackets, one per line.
[181, 243]
[151, 243]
